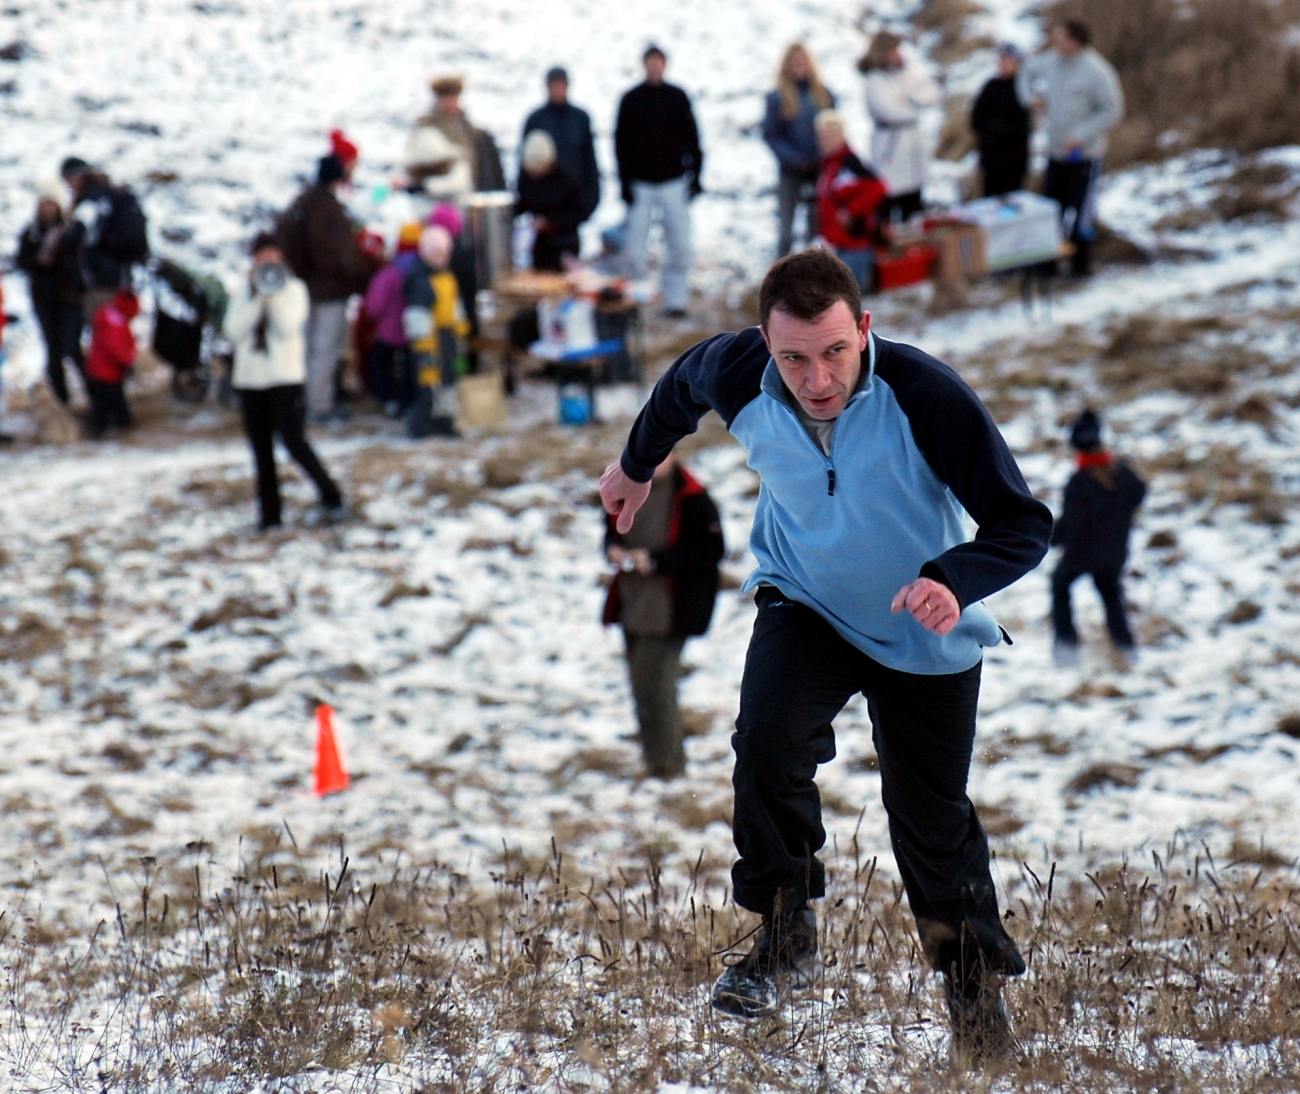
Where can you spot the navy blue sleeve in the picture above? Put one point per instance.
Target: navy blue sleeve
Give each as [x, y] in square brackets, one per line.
[960, 441]
[722, 374]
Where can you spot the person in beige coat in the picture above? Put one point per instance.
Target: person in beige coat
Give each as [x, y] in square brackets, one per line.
[267, 320]
[898, 90]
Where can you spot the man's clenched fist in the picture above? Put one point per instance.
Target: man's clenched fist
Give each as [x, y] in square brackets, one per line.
[621, 497]
[931, 603]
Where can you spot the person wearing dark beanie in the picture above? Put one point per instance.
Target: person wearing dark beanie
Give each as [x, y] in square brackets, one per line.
[1101, 498]
[320, 245]
[329, 170]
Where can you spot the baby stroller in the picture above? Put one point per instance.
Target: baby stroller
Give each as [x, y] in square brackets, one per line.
[188, 315]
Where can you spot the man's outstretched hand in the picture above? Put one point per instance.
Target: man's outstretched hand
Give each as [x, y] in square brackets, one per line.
[931, 603]
[621, 496]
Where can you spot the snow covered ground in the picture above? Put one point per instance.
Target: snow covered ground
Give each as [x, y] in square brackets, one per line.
[159, 662]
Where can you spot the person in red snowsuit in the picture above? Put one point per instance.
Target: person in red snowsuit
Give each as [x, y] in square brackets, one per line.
[848, 196]
[112, 353]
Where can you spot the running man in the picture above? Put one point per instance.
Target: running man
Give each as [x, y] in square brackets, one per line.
[868, 451]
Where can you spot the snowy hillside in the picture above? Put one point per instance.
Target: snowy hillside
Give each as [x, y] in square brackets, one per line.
[159, 662]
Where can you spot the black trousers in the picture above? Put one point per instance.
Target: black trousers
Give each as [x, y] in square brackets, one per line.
[282, 410]
[1107, 581]
[898, 207]
[108, 407]
[392, 374]
[61, 325]
[1073, 183]
[798, 675]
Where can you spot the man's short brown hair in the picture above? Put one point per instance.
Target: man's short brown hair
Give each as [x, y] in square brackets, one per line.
[1077, 31]
[806, 284]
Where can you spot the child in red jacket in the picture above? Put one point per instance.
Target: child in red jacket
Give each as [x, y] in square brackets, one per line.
[112, 352]
[848, 197]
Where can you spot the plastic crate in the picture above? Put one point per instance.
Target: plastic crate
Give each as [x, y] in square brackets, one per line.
[907, 267]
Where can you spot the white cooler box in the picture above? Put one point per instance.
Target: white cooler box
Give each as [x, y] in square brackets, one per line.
[1019, 228]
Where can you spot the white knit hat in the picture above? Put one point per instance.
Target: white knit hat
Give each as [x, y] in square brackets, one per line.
[538, 152]
[52, 189]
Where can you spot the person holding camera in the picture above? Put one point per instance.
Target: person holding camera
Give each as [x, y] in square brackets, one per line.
[266, 321]
[663, 589]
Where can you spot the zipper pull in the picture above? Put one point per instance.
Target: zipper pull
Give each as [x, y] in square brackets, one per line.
[830, 481]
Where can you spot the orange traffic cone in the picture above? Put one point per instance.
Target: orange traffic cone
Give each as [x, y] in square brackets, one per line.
[331, 777]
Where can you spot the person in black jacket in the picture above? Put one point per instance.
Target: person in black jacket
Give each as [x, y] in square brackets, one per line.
[47, 254]
[665, 583]
[1001, 124]
[108, 230]
[570, 129]
[554, 198]
[1100, 500]
[657, 144]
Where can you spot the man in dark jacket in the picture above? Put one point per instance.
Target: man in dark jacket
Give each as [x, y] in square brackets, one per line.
[1100, 500]
[665, 583]
[319, 241]
[554, 198]
[108, 232]
[657, 144]
[48, 255]
[570, 129]
[870, 453]
[1001, 124]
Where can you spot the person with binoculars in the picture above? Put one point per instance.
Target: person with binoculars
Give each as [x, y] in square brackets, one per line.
[266, 321]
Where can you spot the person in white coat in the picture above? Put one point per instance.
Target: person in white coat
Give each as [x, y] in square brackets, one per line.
[267, 320]
[897, 93]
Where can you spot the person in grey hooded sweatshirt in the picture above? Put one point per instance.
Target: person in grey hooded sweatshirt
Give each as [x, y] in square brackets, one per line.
[1078, 94]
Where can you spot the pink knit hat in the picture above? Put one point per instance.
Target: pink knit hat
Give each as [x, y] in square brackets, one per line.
[449, 217]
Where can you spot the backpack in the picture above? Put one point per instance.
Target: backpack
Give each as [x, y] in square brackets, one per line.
[126, 235]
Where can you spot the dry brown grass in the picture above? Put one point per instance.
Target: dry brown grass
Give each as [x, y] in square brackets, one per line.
[1199, 73]
[1182, 977]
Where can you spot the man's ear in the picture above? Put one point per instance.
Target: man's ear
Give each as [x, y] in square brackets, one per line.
[766, 340]
[864, 328]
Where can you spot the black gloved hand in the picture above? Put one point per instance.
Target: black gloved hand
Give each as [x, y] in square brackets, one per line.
[696, 188]
[629, 196]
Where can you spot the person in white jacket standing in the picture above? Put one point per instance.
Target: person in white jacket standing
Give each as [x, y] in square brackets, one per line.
[897, 92]
[266, 320]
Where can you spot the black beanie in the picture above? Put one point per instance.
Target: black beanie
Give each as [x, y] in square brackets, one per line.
[329, 169]
[1085, 435]
[74, 167]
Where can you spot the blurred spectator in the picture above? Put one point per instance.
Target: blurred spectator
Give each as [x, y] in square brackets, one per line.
[392, 379]
[554, 198]
[657, 144]
[1096, 517]
[665, 583]
[897, 91]
[1001, 125]
[849, 197]
[437, 166]
[476, 146]
[789, 131]
[112, 353]
[570, 129]
[267, 320]
[1079, 95]
[108, 230]
[319, 243]
[47, 254]
[436, 327]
